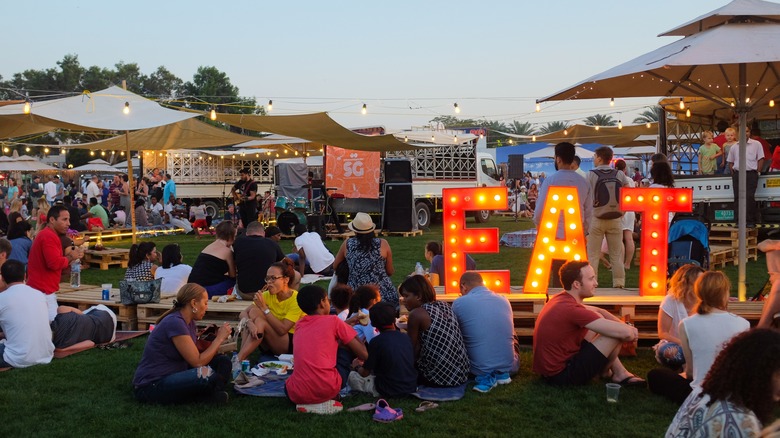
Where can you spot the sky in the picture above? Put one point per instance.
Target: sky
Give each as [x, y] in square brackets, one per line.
[407, 61]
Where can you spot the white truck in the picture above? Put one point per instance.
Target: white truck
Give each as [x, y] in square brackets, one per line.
[713, 196]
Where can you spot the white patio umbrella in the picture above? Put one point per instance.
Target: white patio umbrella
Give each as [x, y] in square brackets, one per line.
[98, 165]
[549, 152]
[729, 53]
[25, 163]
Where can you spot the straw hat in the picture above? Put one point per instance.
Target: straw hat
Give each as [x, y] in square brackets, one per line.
[362, 224]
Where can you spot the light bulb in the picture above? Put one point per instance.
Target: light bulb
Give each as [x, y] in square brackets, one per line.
[538, 107]
[103, 153]
[533, 138]
[511, 141]
[682, 103]
[620, 124]
[457, 108]
[688, 112]
[122, 153]
[455, 139]
[6, 150]
[364, 110]
[647, 125]
[126, 109]
[772, 103]
[213, 115]
[433, 138]
[91, 153]
[27, 149]
[406, 139]
[270, 105]
[45, 150]
[612, 102]
[597, 127]
[565, 132]
[27, 107]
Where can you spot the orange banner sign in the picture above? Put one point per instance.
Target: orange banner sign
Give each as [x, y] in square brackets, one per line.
[355, 174]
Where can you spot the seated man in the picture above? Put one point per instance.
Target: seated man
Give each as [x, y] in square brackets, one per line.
[96, 212]
[155, 211]
[254, 253]
[315, 383]
[176, 216]
[771, 309]
[312, 256]
[487, 324]
[72, 326]
[574, 343]
[24, 316]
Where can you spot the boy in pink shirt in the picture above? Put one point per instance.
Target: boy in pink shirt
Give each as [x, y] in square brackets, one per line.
[315, 383]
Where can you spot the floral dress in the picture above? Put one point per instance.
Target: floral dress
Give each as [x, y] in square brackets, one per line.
[443, 358]
[368, 267]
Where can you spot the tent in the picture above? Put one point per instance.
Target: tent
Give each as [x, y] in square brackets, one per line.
[25, 163]
[607, 135]
[98, 166]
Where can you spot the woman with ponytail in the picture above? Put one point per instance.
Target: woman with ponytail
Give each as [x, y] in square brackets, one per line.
[140, 266]
[172, 370]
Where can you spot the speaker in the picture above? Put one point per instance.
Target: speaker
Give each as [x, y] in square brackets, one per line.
[398, 171]
[398, 208]
[316, 224]
[515, 166]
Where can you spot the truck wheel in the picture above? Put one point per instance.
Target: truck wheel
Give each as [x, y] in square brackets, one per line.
[482, 216]
[423, 215]
[212, 209]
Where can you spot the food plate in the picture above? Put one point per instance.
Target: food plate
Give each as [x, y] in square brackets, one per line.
[280, 367]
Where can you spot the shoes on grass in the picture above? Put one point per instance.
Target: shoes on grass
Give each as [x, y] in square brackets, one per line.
[220, 398]
[385, 414]
[325, 408]
[502, 378]
[485, 383]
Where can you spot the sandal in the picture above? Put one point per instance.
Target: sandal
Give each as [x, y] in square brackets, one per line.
[632, 380]
[426, 405]
[385, 414]
[362, 408]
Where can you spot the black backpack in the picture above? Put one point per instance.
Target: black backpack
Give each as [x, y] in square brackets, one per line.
[606, 203]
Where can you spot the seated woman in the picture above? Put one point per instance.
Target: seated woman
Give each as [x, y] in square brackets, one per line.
[141, 265]
[173, 272]
[272, 315]
[19, 236]
[433, 254]
[440, 352]
[739, 395]
[172, 370]
[702, 336]
[677, 305]
[141, 218]
[215, 268]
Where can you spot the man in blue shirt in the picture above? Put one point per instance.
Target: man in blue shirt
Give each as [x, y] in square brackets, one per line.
[170, 188]
[487, 325]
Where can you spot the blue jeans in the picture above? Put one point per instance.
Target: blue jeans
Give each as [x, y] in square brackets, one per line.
[186, 386]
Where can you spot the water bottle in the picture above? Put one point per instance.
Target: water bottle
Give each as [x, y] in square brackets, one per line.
[418, 269]
[75, 274]
[236, 365]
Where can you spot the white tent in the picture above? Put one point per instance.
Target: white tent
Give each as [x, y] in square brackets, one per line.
[97, 165]
[549, 152]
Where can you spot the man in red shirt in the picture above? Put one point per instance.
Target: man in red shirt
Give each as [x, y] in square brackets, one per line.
[46, 260]
[574, 343]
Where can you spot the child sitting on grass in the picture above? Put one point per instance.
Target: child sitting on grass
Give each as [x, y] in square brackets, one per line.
[364, 298]
[340, 297]
[389, 370]
[315, 383]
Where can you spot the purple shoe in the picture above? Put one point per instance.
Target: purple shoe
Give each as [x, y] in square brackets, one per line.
[385, 414]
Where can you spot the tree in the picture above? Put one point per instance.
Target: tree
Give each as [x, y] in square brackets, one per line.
[131, 74]
[649, 115]
[163, 84]
[600, 120]
[553, 127]
[454, 122]
[214, 87]
[522, 128]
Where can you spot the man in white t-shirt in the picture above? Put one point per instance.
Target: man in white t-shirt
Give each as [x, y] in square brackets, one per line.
[754, 161]
[156, 211]
[50, 191]
[175, 220]
[93, 191]
[24, 316]
[311, 253]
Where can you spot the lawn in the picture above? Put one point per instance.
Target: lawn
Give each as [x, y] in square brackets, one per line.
[90, 393]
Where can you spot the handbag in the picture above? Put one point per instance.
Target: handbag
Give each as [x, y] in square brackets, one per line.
[140, 292]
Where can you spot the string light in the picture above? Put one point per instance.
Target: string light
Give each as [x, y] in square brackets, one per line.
[772, 103]
[364, 109]
[688, 112]
[213, 115]
[103, 153]
[682, 103]
[433, 138]
[126, 109]
[455, 140]
[27, 107]
[533, 138]
[27, 149]
[457, 108]
[565, 132]
[91, 153]
[597, 127]
[270, 105]
[612, 102]
[45, 150]
[620, 124]
[538, 107]
[647, 125]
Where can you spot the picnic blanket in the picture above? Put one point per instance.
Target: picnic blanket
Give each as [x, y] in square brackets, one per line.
[121, 337]
[440, 394]
[313, 278]
[273, 386]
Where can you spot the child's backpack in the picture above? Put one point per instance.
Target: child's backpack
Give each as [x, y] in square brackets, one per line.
[606, 204]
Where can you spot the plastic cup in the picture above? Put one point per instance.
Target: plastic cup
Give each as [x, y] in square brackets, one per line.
[613, 392]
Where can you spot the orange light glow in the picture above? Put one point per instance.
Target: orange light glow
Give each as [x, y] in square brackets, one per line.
[478, 240]
[560, 200]
[653, 255]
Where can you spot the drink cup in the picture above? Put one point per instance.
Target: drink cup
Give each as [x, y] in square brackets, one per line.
[613, 392]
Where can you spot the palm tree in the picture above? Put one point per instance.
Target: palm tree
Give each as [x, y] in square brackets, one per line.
[650, 115]
[553, 127]
[600, 120]
[521, 128]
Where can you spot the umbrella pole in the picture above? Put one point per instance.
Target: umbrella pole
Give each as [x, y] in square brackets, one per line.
[131, 183]
[742, 192]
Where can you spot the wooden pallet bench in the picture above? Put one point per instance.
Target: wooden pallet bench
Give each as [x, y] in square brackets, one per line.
[720, 256]
[87, 296]
[729, 236]
[217, 313]
[107, 257]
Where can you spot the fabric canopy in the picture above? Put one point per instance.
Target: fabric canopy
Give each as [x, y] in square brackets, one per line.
[741, 9]
[317, 128]
[186, 134]
[549, 152]
[608, 135]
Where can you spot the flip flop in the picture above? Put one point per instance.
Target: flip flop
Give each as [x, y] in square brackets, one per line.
[426, 405]
[362, 408]
[632, 380]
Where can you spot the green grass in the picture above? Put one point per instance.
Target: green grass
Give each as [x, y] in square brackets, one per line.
[90, 393]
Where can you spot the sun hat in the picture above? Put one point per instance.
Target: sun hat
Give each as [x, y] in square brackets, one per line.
[362, 224]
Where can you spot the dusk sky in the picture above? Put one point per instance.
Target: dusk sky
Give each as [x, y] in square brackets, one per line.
[408, 61]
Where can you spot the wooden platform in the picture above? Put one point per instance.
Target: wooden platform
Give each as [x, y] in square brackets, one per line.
[87, 296]
[217, 313]
[107, 257]
[340, 236]
[108, 234]
[402, 233]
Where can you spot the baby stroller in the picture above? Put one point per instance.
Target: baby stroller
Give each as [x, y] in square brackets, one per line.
[688, 242]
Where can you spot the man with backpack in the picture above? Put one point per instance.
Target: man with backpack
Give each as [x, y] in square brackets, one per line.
[605, 183]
